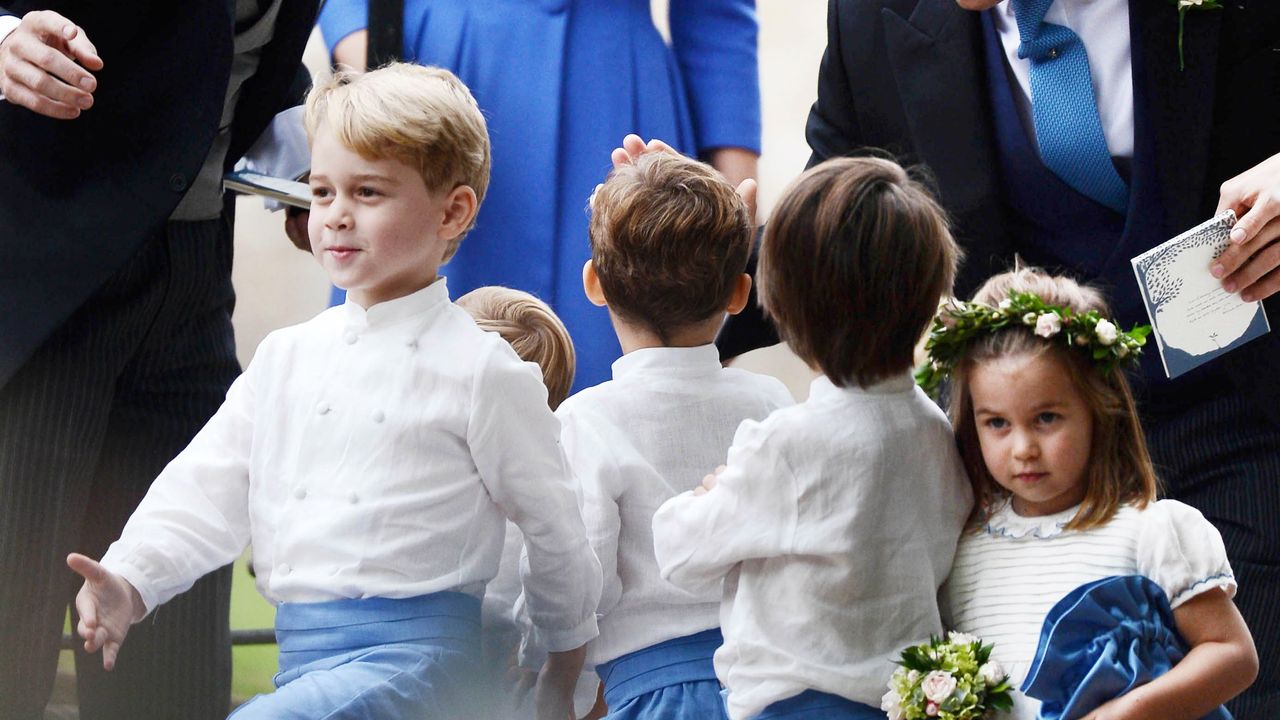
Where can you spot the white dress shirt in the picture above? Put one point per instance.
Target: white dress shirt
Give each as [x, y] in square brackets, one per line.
[1011, 573]
[832, 528]
[374, 454]
[1103, 27]
[664, 421]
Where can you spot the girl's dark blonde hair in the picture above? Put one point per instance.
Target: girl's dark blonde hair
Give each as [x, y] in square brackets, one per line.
[1119, 471]
[531, 328]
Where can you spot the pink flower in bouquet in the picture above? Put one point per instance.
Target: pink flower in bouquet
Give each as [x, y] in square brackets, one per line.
[938, 686]
[931, 709]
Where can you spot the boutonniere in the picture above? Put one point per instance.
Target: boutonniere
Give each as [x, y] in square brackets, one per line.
[1183, 7]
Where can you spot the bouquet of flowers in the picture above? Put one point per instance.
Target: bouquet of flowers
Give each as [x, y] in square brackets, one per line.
[952, 679]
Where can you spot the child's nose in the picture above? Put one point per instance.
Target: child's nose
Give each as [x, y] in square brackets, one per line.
[337, 215]
[1025, 445]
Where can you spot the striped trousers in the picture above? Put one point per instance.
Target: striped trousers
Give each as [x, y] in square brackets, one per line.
[1222, 456]
[85, 426]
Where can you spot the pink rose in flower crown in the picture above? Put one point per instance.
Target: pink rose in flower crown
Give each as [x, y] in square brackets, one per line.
[938, 685]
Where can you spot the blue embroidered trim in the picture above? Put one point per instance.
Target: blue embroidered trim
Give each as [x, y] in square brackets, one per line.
[1195, 587]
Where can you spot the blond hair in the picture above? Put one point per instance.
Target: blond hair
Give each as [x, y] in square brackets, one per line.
[852, 265]
[1119, 470]
[669, 239]
[532, 330]
[424, 117]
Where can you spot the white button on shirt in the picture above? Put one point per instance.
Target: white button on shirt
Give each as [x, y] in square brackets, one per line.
[411, 506]
[665, 420]
[832, 528]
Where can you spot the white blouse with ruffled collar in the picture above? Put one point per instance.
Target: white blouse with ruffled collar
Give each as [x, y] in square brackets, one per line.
[1010, 573]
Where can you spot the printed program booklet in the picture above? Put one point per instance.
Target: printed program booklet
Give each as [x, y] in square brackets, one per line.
[289, 192]
[1192, 318]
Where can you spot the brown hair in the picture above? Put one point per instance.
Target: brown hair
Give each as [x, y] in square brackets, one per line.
[1119, 470]
[669, 238]
[853, 263]
[421, 116]
[532, 330]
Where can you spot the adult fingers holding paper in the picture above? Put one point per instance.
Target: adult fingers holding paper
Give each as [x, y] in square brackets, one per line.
[1250, 264]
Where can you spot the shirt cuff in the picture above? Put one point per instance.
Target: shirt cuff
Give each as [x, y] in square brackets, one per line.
[136, 577]
[568, 639]
[8, 23]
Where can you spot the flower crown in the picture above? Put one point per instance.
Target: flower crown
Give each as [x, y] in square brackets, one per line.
[958, 323]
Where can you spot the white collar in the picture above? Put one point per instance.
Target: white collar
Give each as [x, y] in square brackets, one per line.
[684, 361]
[391, 311]
[1005, 522]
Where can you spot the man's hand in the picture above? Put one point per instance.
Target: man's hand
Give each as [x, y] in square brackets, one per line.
[107, 605]
[46, 66]
[733, 159]
[1249, 264]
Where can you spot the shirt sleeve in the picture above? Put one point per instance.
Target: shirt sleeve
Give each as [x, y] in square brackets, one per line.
[751, 513]
[8, 23]
[715, 44]
[340, 18]
[1182, 552]
[591, 463]
[515, 444]
[195, 517]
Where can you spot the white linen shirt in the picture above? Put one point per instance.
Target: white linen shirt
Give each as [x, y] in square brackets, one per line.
[1011, 573]
[664, 421]
[374, 454]
[832, 527]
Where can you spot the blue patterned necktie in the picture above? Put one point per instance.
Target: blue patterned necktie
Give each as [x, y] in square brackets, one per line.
[1068, 128]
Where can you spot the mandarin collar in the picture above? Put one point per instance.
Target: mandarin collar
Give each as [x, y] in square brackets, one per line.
[401, 308]
[697, 360]
[822, 388]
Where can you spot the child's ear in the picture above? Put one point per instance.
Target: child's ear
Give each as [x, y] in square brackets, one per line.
[740, 295]
[460, 207]
[591, 285]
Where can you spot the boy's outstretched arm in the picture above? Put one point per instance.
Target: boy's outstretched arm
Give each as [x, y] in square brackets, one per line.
[107, 605]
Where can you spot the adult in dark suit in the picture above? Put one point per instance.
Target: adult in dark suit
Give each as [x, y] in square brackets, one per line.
[928, 81]
[115, 309]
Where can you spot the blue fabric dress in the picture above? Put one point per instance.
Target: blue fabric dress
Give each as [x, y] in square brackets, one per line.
[560, 83]
[1102, 640]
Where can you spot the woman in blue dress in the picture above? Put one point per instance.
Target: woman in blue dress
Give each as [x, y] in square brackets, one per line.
[561, 82]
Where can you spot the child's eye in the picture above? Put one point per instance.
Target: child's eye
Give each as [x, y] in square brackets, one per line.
[319, 193]
[996, 423]
[367, 192]
[1046, 418]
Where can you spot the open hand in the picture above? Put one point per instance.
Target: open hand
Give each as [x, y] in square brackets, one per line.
[107, 605]
[1249, 264]
[47, 65]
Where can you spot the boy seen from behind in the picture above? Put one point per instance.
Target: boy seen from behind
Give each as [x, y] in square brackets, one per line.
[669, 245]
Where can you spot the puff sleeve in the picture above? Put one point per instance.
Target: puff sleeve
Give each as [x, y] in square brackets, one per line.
[1182, 552]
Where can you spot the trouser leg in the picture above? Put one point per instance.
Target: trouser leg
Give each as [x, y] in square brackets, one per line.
[1223, 458]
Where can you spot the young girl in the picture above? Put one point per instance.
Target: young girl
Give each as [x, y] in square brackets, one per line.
[1065, 496]
[836, 520]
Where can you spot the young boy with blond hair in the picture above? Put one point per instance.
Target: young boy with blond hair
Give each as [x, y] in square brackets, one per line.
[669, 245]
[371, 453]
